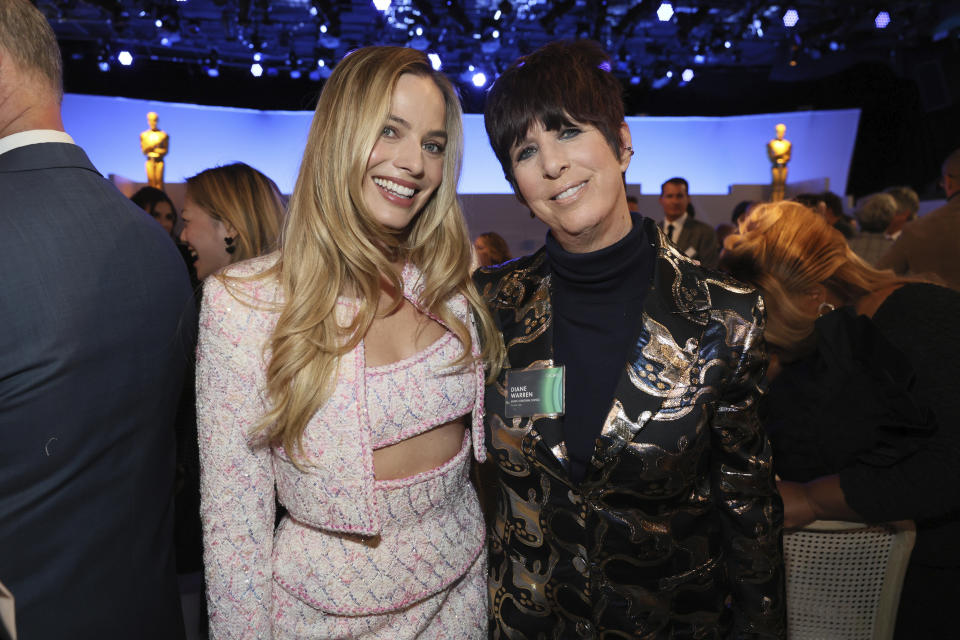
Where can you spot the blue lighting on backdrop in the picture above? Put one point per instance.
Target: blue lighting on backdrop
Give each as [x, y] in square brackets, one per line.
[713, 153]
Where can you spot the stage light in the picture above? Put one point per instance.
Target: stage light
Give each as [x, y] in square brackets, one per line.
[669, 73]
[313, 11]
[496, 16]
[256, 70]
[479, 79]
[727, 44]
[294, 74]
[495, 34]
[687, 75]
[665, 11]
[882, 20]
[165, 41]
[323, 28]
[834, 46]
[321, 63]
[257, 57]
[103, 65]
[635, 80]
[699, 59]
[418, 31]
[158, 23]
[790, 18]
[125, 58]
[381, 5]
[435, 61]
[213, 72]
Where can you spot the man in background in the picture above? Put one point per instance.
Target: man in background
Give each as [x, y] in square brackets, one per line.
[93, 297]
[908, 204]
[931, 244]
[693, 238]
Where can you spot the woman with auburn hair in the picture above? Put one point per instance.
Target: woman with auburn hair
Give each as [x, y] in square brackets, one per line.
[491, 249]
[342, 376]
[862, 409]
[230, 213]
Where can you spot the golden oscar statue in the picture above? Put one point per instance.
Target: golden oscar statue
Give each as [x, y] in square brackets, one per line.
[778, 150]
[154, 144]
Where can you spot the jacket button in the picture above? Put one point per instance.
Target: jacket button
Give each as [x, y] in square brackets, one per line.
[584, 628]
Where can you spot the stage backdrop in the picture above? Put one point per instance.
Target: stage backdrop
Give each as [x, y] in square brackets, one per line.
[712, 153]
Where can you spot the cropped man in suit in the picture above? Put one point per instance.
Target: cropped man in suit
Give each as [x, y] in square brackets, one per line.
[92, 300]
[931, 244]
[693, 238]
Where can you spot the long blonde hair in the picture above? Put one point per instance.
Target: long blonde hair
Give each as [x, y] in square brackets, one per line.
[242, 197]
[785, 249]
[331, 245]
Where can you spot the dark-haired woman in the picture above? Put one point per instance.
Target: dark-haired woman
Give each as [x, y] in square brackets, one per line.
[641, 503]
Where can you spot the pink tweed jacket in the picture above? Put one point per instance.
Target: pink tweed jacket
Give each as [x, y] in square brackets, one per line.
[335, 499]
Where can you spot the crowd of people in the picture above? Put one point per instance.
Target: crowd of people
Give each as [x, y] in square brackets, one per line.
[354, 433]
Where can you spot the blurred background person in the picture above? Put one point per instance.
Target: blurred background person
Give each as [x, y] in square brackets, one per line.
[694, 238]
[862, 409]
[491, 249]
[230, 213]
[908, 204]
[160, 207]
[874, 215]
[931, 245]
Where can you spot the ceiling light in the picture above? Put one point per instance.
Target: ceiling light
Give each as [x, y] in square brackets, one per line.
[256, 70]
[381, 5]
[479, 79]
[665, 11]
[158, 23]
[687, 75]
[103, 65]
[257, 57]
[213, 72]
[882, 20]
[125, 58]
[790, 18]
[435, 61]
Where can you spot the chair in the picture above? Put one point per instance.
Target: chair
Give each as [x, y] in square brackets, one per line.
[844, 579]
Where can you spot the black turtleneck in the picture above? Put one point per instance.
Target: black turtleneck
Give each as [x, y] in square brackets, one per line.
[597, 301]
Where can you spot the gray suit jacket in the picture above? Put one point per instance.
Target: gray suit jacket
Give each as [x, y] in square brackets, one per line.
[698, 241]
[93, 295]
[929, 245]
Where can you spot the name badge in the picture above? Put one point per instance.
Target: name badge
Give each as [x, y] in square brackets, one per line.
[533, 392]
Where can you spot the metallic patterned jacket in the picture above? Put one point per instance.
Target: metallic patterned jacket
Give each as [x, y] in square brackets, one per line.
[675, 532]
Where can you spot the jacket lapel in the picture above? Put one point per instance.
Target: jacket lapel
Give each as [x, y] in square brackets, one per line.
[653, 384]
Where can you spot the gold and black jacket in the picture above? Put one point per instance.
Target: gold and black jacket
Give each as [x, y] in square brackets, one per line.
[676, 529]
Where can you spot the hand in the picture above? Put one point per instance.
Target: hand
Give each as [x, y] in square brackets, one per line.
[798, 510]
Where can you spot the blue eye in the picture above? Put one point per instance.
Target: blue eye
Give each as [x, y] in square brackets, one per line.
[388, 132]
[525, 153]
[570, 132]
[433, 147]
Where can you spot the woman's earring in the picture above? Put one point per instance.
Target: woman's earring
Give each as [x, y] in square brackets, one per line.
[630, 149]
[231, 249]
[824, 309]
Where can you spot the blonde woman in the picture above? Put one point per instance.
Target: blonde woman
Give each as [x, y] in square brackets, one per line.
[230, 213]
[343, 377]
[862, 410]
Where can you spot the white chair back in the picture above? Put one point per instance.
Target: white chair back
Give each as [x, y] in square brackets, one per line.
[844, 579]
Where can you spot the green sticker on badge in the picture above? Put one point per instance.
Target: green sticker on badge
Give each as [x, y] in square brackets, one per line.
[533, 392]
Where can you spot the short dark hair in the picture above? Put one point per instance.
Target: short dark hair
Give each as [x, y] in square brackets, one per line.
[677, 181]
[558, 84]
[833, 202]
